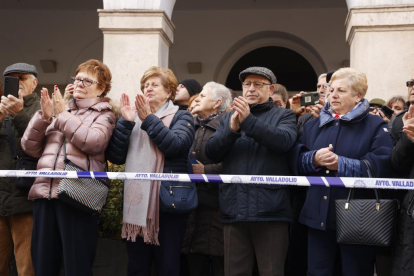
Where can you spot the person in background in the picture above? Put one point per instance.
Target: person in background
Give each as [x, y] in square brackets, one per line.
[191, 103]
[254, 139]
[185, 90]
[402, 159]
[16, 212]
[154, 136]
[344, 141]
[280, 96]
[375, 105]
[204, 240]
[85, 125]
[396, 103]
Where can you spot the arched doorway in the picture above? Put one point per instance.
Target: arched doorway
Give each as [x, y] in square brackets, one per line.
[291, 69]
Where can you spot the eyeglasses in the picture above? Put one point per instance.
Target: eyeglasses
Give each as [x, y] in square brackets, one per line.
[372, 108]
[247, 84]
[410, 83]
[85, 82]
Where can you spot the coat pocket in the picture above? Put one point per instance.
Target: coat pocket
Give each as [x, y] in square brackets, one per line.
[228, 200]
[272, 200]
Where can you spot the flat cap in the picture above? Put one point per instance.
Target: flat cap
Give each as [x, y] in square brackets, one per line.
[260, 71]
[23, 68]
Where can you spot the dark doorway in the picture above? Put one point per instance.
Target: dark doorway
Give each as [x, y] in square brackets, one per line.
[291, 69]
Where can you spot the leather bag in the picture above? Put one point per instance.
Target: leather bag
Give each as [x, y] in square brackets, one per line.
[27, 163]
[86, 194]
[366, 221]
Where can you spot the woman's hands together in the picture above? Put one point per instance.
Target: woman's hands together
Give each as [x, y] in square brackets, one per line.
[51, 106]
[326, 158]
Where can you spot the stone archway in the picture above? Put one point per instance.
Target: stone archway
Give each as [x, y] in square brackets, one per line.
[264, 39]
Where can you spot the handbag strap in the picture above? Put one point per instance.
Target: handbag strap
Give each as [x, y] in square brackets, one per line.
[64, 153]
[10, 138]
[351, 191]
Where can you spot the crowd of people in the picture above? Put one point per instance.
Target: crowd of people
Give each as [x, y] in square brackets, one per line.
[182, 127]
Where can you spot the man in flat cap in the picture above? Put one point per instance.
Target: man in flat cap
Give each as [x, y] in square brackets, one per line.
[16, 219]
[254, 139]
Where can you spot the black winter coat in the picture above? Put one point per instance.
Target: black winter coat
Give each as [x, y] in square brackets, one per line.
[261, 148]
[205, 232]
[12, 200]
[174, 142]
[402, 159]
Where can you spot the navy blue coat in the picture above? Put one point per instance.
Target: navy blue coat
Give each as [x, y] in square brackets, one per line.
[261, 148]
[355, 137]
[174, 142]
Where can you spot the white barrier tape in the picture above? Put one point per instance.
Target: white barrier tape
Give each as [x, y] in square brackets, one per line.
[347, 182]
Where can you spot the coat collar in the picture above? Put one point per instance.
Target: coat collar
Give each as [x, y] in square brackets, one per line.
[359, 112]
[96, 103]
[29, 99]
[258, 108]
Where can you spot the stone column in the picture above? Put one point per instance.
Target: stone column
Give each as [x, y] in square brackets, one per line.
[382, 44]
[134, 40]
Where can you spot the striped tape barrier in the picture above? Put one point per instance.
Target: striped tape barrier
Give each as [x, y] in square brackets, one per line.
[347, 182]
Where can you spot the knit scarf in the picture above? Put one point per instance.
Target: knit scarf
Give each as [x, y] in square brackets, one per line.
[141, 197]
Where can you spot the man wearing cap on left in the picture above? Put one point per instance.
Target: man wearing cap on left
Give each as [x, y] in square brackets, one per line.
[16, 219]
[254, 139]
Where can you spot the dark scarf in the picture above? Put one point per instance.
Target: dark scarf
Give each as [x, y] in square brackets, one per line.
[204, 121]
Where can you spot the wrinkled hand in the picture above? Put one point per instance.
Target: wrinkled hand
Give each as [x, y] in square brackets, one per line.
[235, 122]
[3, 112]
[295, 105]
[408, 120]
[315, 110]
[46, 104]
[198, 168]
[128, 111]
[12, 104]
[142, 106]
[69, 89]
[242, 107]
[58, 102]
[326, 158]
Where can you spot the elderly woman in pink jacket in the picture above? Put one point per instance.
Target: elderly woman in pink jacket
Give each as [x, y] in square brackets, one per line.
[85, 124]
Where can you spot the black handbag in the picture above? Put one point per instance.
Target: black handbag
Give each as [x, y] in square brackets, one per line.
[86, 194]
[22, 163]
[366, 221]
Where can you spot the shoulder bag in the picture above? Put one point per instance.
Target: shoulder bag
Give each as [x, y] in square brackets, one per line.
[86, 194]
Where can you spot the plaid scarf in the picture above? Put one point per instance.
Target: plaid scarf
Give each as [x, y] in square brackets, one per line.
[204, 121]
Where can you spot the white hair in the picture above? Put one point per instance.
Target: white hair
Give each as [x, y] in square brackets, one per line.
[322, 76]
[219, 92]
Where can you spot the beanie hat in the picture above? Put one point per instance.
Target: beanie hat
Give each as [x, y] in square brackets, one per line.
[192, 86]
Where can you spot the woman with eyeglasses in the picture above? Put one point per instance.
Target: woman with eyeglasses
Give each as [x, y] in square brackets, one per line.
[85, 124]
[344, 141]
[152, 136]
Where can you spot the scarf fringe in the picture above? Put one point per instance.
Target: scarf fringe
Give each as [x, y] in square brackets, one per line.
[150, 234]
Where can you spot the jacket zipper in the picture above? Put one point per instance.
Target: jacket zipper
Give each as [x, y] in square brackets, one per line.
[54, 167]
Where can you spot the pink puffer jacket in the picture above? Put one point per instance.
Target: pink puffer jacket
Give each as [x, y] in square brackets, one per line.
[87, 125]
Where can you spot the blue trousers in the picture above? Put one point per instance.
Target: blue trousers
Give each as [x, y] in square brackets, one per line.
[357, 260]
[166, 255]
[61, 230]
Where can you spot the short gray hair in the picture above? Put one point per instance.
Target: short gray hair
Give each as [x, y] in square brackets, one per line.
[322, 76]
[219, 92]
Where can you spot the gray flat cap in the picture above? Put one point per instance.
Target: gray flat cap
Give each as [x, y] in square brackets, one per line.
[23, 68]
[260, 71]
